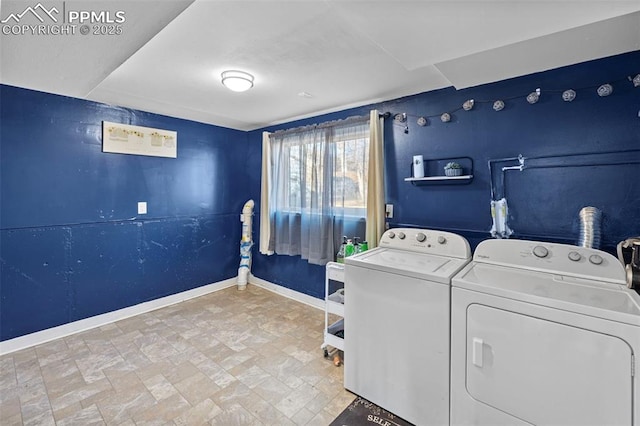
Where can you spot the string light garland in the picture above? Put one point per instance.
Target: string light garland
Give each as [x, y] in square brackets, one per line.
[605, 90]
[567, 95]
[534, 97]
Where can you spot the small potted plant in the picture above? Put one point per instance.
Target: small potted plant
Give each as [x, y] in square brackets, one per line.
[453, 169]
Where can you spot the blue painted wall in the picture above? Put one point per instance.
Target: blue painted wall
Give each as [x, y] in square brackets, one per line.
[72, 245]
[544, 202]
[71, 242]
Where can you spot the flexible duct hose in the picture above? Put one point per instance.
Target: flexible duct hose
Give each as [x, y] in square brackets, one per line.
[246, 242]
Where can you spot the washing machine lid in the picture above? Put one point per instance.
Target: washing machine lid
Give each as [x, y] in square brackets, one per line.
[424, 266]
[586, 296]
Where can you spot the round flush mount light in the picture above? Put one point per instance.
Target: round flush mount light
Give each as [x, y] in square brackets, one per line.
[238, 81]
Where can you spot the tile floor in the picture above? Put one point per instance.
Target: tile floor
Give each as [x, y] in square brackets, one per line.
[228, 358]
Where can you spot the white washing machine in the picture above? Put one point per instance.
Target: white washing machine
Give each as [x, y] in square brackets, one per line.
[397, 311]
[543, 334]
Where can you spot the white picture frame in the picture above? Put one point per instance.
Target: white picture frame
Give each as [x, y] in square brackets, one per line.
[137, 140]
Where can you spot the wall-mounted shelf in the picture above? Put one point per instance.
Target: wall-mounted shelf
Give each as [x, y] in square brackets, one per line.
[434, 172]
[438, 179]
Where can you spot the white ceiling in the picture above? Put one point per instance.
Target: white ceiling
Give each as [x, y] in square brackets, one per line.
[169, 58]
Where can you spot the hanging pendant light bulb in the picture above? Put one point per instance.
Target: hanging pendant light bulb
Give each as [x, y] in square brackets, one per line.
[568, 95]
[533, 97]
[605, 90]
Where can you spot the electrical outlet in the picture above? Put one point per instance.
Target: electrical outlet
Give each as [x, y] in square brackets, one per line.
[389, 211]
[142, 207]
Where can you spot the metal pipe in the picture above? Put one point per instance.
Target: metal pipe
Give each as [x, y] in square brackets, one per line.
[490, 163]
[624, 151]
[522, 166]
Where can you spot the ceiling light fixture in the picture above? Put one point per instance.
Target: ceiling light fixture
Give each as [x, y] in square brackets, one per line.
[238, 81]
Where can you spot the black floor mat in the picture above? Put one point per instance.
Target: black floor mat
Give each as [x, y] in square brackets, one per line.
[364, 413]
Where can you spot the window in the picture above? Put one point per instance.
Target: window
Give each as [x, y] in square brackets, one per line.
[312, 162]
[318, 180]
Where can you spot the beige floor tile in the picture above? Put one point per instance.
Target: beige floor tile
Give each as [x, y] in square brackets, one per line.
[318, 403]
[44, 418]
[297, 399]
[231, 394]
[182, 370]
[66, 383]
[154, 369]
[272, 390]
[226, 358]
[9, 408]
[200, 414]
[251, 376]
[197, 388]
[91, 367]
[36, 410]
[15, 420]
[22, 356]
[67, 411]
[123, 405]
[84, 417]
[160, 387]
[122, 380]
[78, 394]
[10, 393]
[28, 371]
[302, 417]
[171, 408]
[323, 418]
[267, 413]
[235, 415]
[34, 389]
[339, 402]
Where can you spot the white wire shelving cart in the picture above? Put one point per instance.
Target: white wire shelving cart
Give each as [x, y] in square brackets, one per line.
[334, 306]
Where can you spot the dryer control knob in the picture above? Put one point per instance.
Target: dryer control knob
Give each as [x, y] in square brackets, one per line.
[420, 237]
[391, 234]
[401, 235]
[540, 251]
[441, 239]
[575, 256]
[596, 259]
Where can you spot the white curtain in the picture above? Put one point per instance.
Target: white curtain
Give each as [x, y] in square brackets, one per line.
[265, 187]
[375, 193]
[318, 180]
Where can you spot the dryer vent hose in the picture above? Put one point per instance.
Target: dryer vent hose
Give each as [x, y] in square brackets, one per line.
[590, 227]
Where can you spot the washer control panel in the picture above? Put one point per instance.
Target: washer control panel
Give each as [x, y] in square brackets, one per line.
[427, 241]
[562, 259]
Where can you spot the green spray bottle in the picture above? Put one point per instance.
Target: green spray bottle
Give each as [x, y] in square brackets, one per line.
[349, 249]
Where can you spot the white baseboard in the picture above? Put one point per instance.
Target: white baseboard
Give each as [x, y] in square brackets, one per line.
[286, 292]
[65, 330]
[49, 334]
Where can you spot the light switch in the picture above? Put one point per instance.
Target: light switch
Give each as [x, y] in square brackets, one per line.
[142, 207]
[389, 211]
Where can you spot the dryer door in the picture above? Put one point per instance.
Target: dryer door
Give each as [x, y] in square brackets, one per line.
[547, 373]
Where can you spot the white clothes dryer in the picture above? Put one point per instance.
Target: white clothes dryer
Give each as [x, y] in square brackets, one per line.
[397, 312]
[543, 334]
